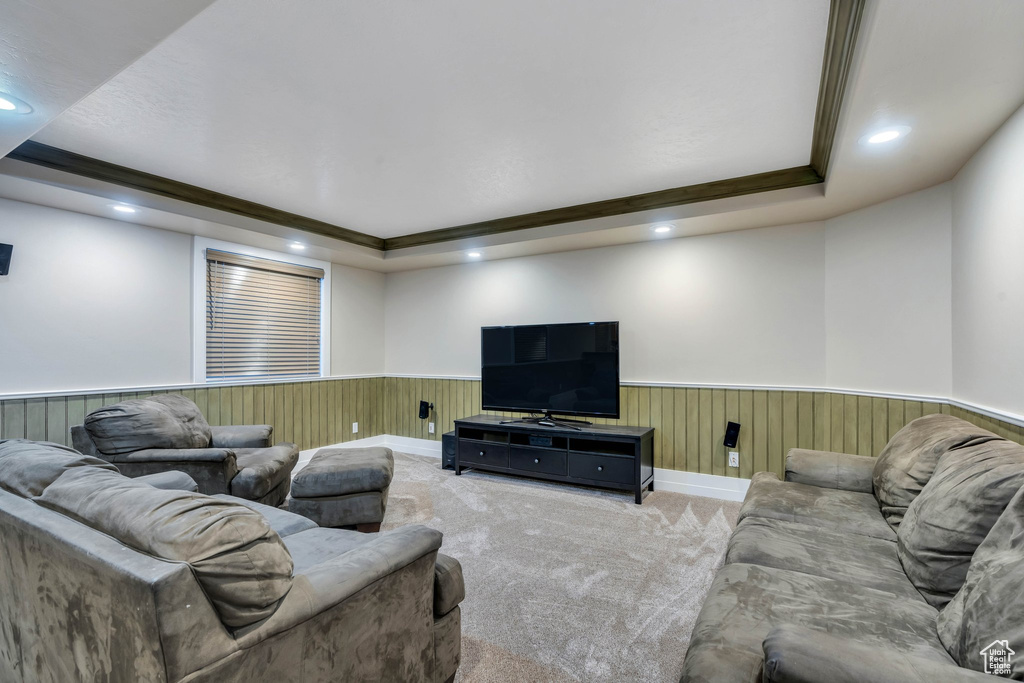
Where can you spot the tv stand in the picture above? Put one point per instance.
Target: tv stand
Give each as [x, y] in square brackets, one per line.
[549, 420]
[606, 456]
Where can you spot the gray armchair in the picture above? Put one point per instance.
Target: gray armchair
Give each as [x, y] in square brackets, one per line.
[168, 432]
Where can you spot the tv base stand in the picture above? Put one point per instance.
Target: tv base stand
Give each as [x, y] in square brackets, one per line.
[605, 456]
[549, 420]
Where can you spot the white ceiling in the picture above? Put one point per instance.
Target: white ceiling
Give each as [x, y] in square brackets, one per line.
[53, 53]
[951, 69]
[398, 117]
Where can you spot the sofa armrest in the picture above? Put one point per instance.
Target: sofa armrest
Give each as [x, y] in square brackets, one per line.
[171, 480]
[328, 584]
[449, 587]
[830, 470]
[184, 455]
[343, 576]
[241, 436]
[798, 655]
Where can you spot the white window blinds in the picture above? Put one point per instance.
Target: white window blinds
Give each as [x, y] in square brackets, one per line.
[262, 318]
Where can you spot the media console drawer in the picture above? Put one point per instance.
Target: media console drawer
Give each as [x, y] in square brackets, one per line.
[537, 460]
[483, 453]
[611, 468]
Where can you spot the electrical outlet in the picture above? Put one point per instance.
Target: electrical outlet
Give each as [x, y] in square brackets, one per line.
[355, 427]
[734, 459]
[430, 428]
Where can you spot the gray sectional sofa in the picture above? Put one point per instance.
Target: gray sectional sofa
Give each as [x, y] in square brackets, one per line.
[904, 567]
[107, 578]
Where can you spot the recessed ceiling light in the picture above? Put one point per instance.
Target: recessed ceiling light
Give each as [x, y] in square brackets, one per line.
[885, 135]
[299, 246]
[662, 229]
[473, 254]
[123, 208]
[12, 105]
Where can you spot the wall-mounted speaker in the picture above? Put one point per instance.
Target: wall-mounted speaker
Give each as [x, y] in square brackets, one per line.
[425, 409]
[732, 434]
[448, 446]
[5, 258]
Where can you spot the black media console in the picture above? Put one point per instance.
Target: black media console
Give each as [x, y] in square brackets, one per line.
[607, 456]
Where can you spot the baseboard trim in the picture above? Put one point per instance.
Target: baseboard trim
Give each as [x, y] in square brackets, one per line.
[407, 444]
[690, 483]
[705, 485]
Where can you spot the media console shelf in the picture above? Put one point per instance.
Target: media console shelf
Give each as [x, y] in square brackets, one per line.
[607, 456]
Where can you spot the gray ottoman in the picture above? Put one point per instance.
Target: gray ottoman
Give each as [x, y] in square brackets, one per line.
[344, 487]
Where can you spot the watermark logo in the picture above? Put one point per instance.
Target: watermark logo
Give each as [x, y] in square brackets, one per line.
[998, 658]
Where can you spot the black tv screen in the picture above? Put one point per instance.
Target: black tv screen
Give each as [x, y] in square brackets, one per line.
[568, 369]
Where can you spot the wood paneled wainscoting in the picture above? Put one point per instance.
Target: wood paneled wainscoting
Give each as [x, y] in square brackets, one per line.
[689, 422]
[310, 414]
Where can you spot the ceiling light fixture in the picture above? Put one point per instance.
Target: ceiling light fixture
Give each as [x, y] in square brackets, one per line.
[12, 105]
[885, 135]
[473, 254]
[662, 229]
[299, 246]
[122, 208]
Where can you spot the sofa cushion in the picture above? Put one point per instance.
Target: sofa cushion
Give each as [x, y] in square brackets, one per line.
[863, 560]
[746, 602]
[846, 511]
[260, 470]
[281, 521]
[907, 462]
[318, 545]
[797, 655]
[28, 467]
[162, 421]
[989, 605]
[955, 512]
[240, 562]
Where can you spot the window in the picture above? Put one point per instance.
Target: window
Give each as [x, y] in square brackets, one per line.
[262, 319]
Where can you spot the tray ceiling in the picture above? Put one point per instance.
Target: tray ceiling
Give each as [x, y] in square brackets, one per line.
[393, 118]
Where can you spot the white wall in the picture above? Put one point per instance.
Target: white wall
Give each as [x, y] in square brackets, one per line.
[888, 316]
[91, 302]
[988, 273]
[860, 302]
[736, 308]
[357, 321]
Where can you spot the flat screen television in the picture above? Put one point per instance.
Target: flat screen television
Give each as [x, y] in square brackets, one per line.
[564, 369]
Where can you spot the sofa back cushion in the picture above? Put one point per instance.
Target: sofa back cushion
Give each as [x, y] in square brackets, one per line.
[240, 562]
[955, 512]
[163, 421]
[28, 467]
[907, 462]
[989, 606]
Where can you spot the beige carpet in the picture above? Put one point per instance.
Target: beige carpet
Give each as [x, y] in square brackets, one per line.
[566, 583]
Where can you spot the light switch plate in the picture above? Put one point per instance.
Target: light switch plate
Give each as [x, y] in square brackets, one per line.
[430, 428]
[355, 427]
[734, 459]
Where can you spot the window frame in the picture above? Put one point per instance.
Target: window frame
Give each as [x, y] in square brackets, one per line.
[199, 294]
